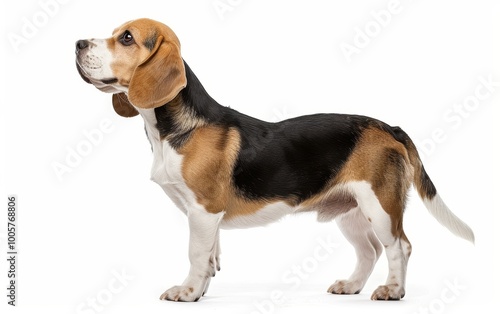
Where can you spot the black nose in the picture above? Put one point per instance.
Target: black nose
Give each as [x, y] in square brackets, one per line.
[81, 44]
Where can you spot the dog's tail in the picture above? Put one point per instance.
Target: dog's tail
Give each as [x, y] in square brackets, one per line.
[428, 192]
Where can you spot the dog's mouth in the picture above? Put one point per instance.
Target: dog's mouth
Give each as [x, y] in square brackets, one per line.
[95, 82]
[109, 81]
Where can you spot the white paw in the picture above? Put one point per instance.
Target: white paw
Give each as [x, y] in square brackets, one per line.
[345, 287]
[181, 293]
[388, 292]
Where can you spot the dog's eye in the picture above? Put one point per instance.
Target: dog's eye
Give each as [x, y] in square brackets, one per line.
[127, 39]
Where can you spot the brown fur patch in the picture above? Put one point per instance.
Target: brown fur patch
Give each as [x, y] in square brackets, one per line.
[209, 157]
[125, 58]
[383, 162]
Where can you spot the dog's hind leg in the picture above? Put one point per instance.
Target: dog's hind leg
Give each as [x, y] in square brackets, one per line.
[358, 231]
[385, 214]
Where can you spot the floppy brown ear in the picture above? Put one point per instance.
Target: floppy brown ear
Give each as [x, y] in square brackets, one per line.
[158, 79]
[123, 107]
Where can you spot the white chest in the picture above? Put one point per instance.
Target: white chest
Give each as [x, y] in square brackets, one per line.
[167, 165]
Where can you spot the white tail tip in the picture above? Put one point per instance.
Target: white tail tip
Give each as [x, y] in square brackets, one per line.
[444, 216]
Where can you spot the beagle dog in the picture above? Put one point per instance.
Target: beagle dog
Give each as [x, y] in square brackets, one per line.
[224, 169]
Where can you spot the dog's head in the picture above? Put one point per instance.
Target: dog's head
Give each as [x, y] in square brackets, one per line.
[140, 64]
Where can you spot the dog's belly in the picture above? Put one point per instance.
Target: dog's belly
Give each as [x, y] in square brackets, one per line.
[267, 214]
[336, 201]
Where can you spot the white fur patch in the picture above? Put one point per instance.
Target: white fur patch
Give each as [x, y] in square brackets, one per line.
[371, 208]
[167, 165]
[444, 216]
[96, 63]
[359, 232]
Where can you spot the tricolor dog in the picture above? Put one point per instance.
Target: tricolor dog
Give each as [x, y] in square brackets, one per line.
[224, 169]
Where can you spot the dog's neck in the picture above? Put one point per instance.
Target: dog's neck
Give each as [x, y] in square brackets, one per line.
[191, 108]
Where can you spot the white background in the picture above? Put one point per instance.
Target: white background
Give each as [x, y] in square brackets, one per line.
[271, 60]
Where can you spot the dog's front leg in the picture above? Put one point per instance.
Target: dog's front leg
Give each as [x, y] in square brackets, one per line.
[203, 255]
